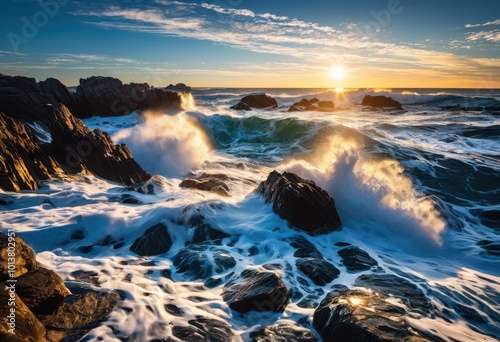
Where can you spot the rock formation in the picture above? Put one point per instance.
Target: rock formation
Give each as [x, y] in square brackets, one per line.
[380, 102]
[256, 101]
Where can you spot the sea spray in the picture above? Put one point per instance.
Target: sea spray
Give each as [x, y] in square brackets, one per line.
[371, 187]
[168, 145]
[187, 102]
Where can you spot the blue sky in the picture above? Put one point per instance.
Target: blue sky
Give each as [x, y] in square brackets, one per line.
[243, 43]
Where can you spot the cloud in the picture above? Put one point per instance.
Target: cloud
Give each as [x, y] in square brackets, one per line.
[491, 36]
[495, 22]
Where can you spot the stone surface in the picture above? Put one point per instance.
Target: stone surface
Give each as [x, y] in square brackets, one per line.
[24, 259]
[301, 202]
[254, 290]
[206, 233]
[305, 105]
[203, 329]
[305, 249]
[41, 290]
[155, 240]
[256, 101]
[320, 271]
[356, 315]
[208, 182]
[27, 326]
[380, 102]
[283, 332]
[181, 87]
[195, 261]
[355, 259]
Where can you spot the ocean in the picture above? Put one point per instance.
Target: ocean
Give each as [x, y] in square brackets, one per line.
[418, 189]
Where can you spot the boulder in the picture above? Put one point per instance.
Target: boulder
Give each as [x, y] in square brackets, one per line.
[326, 104]
[255, 290]
[355, 259]
[283, 332]
[320, 271]
[256, 101]
[41, 290]
[380, 102]
[195, 262]
[305, 249]
[356, 315]
[203, 329]
[305, 105]
[154, 241]
[301, 202]
[78, 314]
[27, 326]
[206, 233]
[24, 259]
[180, 87]
[209, 182]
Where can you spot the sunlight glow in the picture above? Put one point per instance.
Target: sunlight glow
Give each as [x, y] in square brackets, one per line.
[337, 72]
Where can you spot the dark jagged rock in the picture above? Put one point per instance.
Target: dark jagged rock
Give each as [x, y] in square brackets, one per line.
[41, 290]
[301, 202]
[126, 199]
[180, 87]
[203, 329]
[27, 327]
[78, 314]
[392, 285]
[360, 316]
[209, 182]
[355, 259]
[25, 160]
[206, 233]
[314, 104]
[194, 261]
[254, 290]
[305, 249]
[25, 259]
[155, 240]
[256, 101]
[380, 102]
[283, 332]
[320, 271]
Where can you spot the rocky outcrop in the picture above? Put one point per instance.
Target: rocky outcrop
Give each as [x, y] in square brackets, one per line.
[203, 329]
[25, 160]
[255, 290]
[195, 262]
[180, 87]
[380, 102]
[320, 271]
[261, 101]
[355, 259]
[301, 202]
[209, 182]
[155, 240]
[24, 260]
[357, 315]
[283, 332]
[314, 104]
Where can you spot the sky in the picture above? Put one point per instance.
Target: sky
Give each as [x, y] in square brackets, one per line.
[256, 43]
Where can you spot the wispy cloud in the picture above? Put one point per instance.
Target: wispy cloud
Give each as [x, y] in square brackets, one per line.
[494, 22]
[491, 36]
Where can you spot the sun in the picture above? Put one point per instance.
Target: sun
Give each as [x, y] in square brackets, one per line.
[337, 72]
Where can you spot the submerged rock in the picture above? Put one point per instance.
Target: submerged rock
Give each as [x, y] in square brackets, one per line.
[25, 259]
[356, 315]
[301, 202]
[209, 182]
[380, 102]
[320, 271]
[283, 332]
[305, 249]
[155, 240]
[203, 329]
[255, 290]
[256, 101]
[355, 259]
[206, 233]
[194, 261]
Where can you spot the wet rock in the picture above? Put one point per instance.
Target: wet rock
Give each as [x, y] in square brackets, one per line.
[223, 260]
[78, 314]
[209, 182]
[155, 240]
[25, 259]
[126, 199]
[320, 271]
[283, 332]
[305, 249]
[206, 233]
[301, 202]
[179, 87]
[89, 277]
[27, 326]
[174, 310]
[255, 290]
[194, 261]
[356, 315]
[41, 290]
[394, 286]
[326, 104]
[303, 105]
[203, 329]
[355, 259]
[380, 102]
[256, 101]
